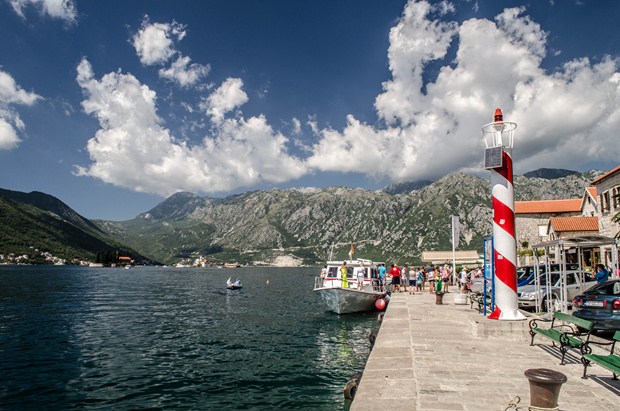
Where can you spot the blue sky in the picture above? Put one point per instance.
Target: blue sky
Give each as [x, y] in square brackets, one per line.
[112, 106]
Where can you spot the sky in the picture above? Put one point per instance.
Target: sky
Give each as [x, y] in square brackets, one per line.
[112, 106]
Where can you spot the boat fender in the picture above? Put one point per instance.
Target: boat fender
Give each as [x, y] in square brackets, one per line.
[351, 387]
[372, 337]
[380, 316]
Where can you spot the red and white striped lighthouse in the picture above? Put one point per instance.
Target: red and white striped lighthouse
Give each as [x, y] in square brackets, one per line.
[498, 158]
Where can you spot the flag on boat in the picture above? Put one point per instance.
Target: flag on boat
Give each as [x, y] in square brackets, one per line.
[456, 230]
[351, 252]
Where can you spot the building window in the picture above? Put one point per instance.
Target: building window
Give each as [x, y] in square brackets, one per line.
[605, 202]
[542, 230]
[616, 197]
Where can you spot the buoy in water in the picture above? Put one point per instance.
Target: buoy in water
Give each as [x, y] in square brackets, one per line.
[380, 304]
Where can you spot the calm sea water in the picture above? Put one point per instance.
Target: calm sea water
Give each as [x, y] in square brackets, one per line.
[168, 338]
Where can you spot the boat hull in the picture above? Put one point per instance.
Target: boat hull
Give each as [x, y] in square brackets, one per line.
[234, 287]
[348, 300]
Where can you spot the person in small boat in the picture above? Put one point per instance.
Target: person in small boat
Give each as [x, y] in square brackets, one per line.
[343, 275]
[238, 282]
[229, 281]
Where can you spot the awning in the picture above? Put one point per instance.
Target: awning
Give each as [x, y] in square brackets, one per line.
[460, 257]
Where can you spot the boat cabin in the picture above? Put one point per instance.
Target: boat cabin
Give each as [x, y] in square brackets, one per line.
[356, 270]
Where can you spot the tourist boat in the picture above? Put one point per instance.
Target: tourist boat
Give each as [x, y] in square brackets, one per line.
[355, 296]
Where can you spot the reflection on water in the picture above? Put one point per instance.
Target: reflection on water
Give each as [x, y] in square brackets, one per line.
[166, 338]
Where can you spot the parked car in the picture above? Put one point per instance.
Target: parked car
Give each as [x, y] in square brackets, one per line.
[601, 305]
[574, 285]
[525, 275]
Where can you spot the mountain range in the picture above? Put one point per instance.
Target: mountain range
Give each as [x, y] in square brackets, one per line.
[291, 226]
[306, 225]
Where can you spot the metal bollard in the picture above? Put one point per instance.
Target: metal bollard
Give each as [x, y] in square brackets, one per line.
[545, 387]
[439, 298]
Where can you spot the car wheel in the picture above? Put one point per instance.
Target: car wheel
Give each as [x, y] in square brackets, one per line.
[543, 307]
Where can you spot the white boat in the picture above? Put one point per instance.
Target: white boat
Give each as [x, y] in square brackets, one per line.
[233, 285]
[356, 296]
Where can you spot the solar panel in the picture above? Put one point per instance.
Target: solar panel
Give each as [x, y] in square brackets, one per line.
[492, 157]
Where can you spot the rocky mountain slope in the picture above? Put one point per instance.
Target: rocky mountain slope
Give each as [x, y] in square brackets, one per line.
[395, 224]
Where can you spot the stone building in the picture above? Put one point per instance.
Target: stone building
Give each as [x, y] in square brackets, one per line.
[538, 221]
[532, 222]
[608, 190]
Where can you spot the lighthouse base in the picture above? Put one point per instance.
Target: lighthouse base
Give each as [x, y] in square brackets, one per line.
[506, 315]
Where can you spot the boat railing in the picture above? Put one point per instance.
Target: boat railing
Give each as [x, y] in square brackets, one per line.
[376, 285]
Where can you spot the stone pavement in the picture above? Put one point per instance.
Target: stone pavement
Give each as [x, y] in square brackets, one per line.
[450, 357]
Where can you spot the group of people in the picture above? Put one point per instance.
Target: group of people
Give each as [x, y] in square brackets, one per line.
[439, 278]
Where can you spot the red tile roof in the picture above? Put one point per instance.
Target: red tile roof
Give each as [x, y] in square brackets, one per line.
[607, 174]
[548, 206]
[574, 223]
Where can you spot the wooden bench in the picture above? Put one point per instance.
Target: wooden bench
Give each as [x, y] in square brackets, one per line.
[568, 334]
[610, 361]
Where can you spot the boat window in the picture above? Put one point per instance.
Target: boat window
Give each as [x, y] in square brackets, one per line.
[332, 272]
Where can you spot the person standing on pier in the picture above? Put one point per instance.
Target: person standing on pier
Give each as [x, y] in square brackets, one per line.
[445, 278]
[431, 280]
[413, 279]
[463, 280]
[395, 273]
[403, 276]
[420, 284]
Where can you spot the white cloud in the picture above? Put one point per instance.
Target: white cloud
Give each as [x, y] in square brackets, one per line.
[11, 94]
[154, 41]
[296, 126]
[565, 118]
[133, 150]
[431, 125]
[224, 99]
[8, 136]
[59, 9]
[184, 73]
[155, 45]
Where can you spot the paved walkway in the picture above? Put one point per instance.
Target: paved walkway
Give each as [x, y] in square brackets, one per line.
[449, 357]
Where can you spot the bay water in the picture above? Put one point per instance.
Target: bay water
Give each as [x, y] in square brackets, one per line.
[80, 338]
